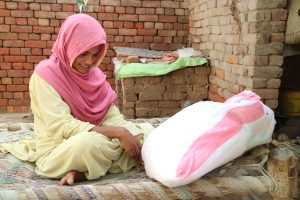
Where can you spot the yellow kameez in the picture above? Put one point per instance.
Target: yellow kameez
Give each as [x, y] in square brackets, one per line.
[64, 143]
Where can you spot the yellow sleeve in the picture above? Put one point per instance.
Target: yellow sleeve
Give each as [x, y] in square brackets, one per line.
[52, 116]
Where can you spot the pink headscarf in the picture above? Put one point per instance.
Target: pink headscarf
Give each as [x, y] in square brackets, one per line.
[88, 95]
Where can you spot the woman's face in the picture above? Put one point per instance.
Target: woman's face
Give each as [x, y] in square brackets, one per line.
[85, 61]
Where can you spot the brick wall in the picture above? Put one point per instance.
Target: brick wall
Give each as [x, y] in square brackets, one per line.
[161, 96]
[244, 39]
[28, 29]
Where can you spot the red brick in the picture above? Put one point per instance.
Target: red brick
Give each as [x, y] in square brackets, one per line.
[18, 81]
[220, 74]
[138, 39]
[108, 16]
[130, 10]
[27, 66]
[21, 29]
[56, 30]
[168, 40]
[7, 95]
[118, 24]
[17, 88]
[148, 18]
[147, 32]
[68, 8]
[45, 36]
[5, 65]
[233, 59]
[150, 11]
[56, 7]
[35, 43]
[17, 65]
[18, 95]
[35, 59]
[141, 11]
[13, 59]
[54, 22]
[160, 46]
[129, 25]
[183, 19]
[3, 73]
[215, 97]
[4, 51]
[10, 20]
[165, 18]
[235, 88]
[34, 6]
[50, 44]
[11, 5]
[23, 36]
[168, 26]
[17, 73]
[120, 9]
[33, 21]
[4, 28]
[4, 13]
[25, 51]
[2, 4]
[108, 24]
[133, 3]
[2, 88]
[15, 51]
[21, 21]
[6, 81]
[158, 39]
[8, 36]
[22, 13]
[18, 102]
[148, 39]
[169, 33]
[109, 9]
[44, 14]
[153, 4]
[36, 51]
[279, 14]
[23, 6]
[47, 52]
[138, 25]
[34, 36]
[170, 11]
[277, 37]
[127, 32]
[129, 39]
[128, 17]
[25, 108]
[47, 7]
[3, 102]
[40, 29]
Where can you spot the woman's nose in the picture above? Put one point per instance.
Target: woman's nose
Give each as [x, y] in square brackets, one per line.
[89, 60]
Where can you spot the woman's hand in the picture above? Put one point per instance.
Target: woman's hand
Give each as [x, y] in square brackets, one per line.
[130, 144]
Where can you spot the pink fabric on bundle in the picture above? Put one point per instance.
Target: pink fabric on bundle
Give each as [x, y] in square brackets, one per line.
[204, 146]
[88, 95]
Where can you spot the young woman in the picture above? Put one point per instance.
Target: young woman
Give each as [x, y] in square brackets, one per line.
[81, 134]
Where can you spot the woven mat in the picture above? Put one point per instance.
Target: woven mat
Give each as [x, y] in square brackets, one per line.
[19, 181]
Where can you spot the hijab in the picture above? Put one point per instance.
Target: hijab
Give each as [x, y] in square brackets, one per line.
[88, 95]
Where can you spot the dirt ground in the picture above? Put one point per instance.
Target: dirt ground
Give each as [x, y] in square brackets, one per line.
[16, 117]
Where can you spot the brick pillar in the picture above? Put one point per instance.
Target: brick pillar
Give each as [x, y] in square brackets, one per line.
[244, 39]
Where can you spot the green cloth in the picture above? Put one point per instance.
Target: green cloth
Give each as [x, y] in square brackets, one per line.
[139, 69]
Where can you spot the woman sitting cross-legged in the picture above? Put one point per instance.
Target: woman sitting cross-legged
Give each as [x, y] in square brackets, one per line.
[80, 133]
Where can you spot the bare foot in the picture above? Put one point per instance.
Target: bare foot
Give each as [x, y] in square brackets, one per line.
[71, 177]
